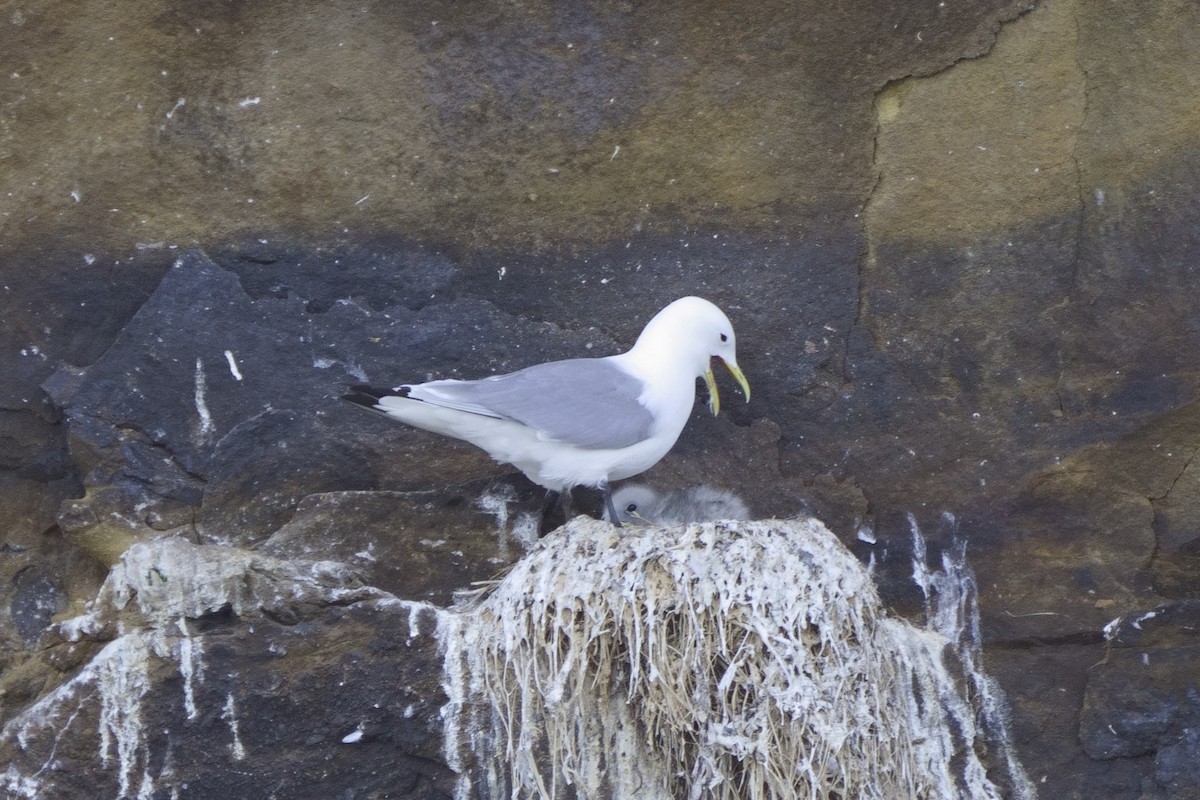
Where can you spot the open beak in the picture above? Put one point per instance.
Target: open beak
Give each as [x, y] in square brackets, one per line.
[714, 399]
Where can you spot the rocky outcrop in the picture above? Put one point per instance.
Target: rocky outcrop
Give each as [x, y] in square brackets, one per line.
[203, 670]
[1141, 700]
[207, 669]
[957, 242]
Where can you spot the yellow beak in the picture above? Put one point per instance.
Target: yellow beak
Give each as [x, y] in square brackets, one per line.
[714, 399]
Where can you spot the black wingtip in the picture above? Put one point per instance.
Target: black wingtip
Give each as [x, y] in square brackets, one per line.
[361, 399]
[367, 396]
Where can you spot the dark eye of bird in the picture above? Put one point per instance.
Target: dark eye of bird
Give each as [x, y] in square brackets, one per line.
[724, 338]
[632, 507]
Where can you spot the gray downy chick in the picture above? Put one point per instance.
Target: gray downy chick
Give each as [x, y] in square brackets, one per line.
[641, 505]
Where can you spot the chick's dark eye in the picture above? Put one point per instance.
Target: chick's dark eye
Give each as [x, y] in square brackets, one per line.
[632, 507]
[724, 338]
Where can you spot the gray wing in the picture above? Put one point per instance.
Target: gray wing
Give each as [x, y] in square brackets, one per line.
[586, 402]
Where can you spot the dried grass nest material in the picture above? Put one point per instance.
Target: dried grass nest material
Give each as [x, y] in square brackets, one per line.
[719, 660]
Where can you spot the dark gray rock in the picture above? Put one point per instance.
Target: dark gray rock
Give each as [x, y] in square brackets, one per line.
[36, 599]
[167, 375]
[1049, 678]
[210, 672]
[416, 545]
[1143, 699]
[217, 411]
[376, 274]
[1175, 767]
[259, 471]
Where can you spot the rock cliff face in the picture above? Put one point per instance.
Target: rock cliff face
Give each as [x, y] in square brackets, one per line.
[958, 242]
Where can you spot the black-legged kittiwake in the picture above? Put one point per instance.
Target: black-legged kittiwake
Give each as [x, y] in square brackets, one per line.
[583, 421]
[641, 505]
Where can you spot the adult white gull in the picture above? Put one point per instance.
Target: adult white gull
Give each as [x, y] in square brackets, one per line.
[583, 421]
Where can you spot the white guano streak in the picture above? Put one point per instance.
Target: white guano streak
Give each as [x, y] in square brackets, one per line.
[233, 367]
[206, 423]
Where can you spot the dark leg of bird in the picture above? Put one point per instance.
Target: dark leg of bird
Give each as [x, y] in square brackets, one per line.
[608, 503]
[550, 502]
[555, 511]
[564, 503]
